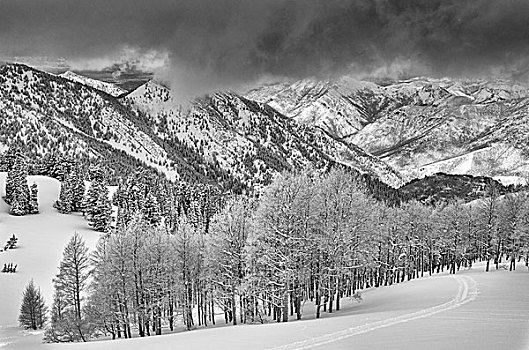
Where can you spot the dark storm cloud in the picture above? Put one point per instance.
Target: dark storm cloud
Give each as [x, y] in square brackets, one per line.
[225, 43]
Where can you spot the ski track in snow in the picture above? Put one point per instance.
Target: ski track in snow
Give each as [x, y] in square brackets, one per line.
[467, 292]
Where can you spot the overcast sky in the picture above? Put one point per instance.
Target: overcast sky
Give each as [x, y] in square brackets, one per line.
[208, 44]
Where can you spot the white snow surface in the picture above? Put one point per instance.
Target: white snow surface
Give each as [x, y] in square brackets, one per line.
[41, 240]
[109, 88]
[471, 310]
[511, 180]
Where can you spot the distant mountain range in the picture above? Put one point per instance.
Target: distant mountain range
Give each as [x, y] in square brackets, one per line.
[420, 126]
[393, 133]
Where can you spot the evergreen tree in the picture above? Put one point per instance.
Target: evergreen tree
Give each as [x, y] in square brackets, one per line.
[72, 192]
[151, 209]
[98, 208]
[34, 199]
[33, 309]
[65, 202]
[17, 190]
[10, 158]
[18, 207]
[78, 189]
[10, 186]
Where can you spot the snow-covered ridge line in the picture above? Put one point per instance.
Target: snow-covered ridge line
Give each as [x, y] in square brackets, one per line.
[109, 88]
[55, 112]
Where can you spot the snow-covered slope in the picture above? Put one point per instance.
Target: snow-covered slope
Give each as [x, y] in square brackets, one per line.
[109, 88]
[418, 126]
[250, 140]
[333, 106]
[41, 240]
[157, 104]
[48, 113]
[480, 130]
[442, 312]
[152, 97]
[470, 310]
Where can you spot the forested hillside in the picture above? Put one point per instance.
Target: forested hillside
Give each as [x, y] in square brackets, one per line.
[224, 138]
[250, 140]
[49, 118]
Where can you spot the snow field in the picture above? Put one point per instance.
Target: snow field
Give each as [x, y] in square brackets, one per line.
[41, 240]
[471, 310]
[467, 292]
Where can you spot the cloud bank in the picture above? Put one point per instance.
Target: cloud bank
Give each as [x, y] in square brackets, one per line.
[203, 45]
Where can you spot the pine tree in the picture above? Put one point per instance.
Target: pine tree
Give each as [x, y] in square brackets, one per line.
[12, 156]
[151, 209]
[33, 309]
[90, 199]
[10, 187]
[18, 207]
[98, 208]
[78, 189]
[34, 199]
[72, 192]
[65, 202]
[18, 196]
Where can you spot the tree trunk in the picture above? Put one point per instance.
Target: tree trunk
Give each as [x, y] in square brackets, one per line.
[233, 306]
[338, 294]
[212, 311]
[158, 320]
[318, 303]
[298, 307]
[285, 307]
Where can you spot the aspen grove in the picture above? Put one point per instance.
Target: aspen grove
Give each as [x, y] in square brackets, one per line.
[309, 237]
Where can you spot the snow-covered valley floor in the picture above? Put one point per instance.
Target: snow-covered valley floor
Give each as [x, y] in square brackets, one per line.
[471, 310]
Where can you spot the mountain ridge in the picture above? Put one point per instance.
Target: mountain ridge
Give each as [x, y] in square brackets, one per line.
[109, 88]
[417, 125]
[223, 137]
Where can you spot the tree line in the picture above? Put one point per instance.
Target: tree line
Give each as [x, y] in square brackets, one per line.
[309, 237]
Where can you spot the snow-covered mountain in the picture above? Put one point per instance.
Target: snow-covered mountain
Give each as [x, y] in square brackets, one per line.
[476, 128]
[155, 102]
[109, 88]
[393, 132]
[44, 113]
[419, 126]
[332, 106]
[222, 138]
[250, 140]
